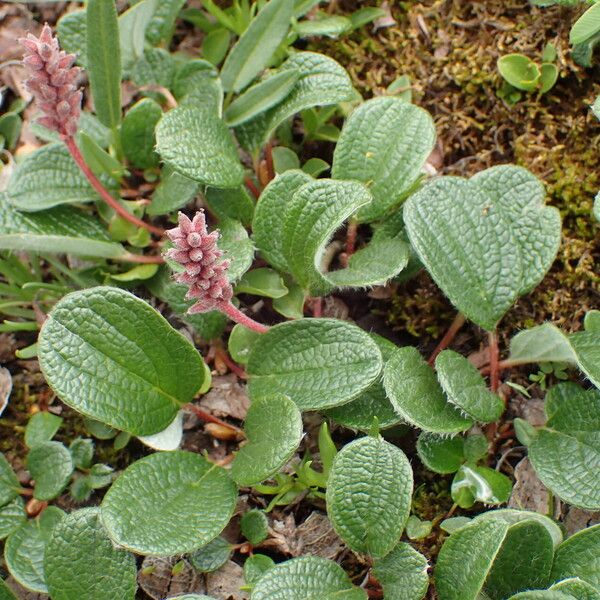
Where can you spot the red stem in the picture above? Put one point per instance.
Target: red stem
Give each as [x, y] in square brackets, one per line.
[231, 365]
[102, 191]
[494, 362]
[502, 365]
[208, 418]
[269, 160]
[141, 258]
[235, 314]
[317, 307]
[458, 322]
[351, 238]
[250, 185]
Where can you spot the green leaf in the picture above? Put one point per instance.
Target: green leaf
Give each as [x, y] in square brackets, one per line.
[71, 29]
[100, 161]
[155, 67]
[137, 133]
[254, 525]
[197, 144]
[374, 402]
[329, 26]
[261, 97]
[318, 363]
[591, 321]
[475, 447]
[417, 529]
[211, 557]
[586, 345]
[384, 143]
[486, 241]
[10, 129]
[240, 342]
[306, 578]
[104, 60]
[162, 24]
[48, 177]
[215, 45]
[440, 454]
[268, 222]
[9, 484]
[415, 394]
[365, 15]
[80, 559]
[256, 46]
[543, 343]
[24, 549]
[138, 273]
[132, 31]
[523, 562]
[12, 516]
[587, 26]
[192, 74]
[480, 484]
[549, 76]
[51, 466]
[238, 248]
[466, 558]
[256, 566]
[322, 81]
[168, 503]
[291, 306]
[369, 493]
[402, 573]
[153, 369]
[566, 455]
[262, 282]
[578, 557]
[542, 595]
[82, 452]
[6, 592]
[285, 159]
[519, 71]
[273, 427]
[41, 427]
[230, 203]
[577, 588]
[167, 439]
[174, 191]
[466, 389]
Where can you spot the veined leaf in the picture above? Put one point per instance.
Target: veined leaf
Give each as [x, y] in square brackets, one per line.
[137, 133]
[212, 556]
[466, 389]
[48, 177]
[369, 493]
[384, 143]
[544, 343]
[415, 394]
[587, 26]
[273, 427]
[9, 484]
[168, 503]
[256, 46]
[104, 60]
[71, 30]
[160, 28]
[577, 588]
[322, 81]
[174, 191]
[153, 369]
[318, 363]
[306, 578]
[51, 466]
[12, 516]
[486, 241]
[80, 559]
[440, 454]
[578, 557]
[586, 345]
[402, 573]
[196, 143]
[132, 31]
[261, 97]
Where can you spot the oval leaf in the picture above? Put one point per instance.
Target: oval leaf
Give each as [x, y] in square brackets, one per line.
[402, 573]
[134, 376]
[318, 363]
[168, 503]
[369, 493]
[578, 557]
[80, 559]
[51, 466]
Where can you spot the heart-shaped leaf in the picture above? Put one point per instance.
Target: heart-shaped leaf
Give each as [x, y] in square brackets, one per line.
[41, 428]
[578, 557]
[315, 212]
[523, 562]
[440, 454]
[384, 143]
[12, 516]
[411, 385]
[9, 484]
[402, 573]
[80, 559]
[256, 566]
[566, 454]
[369, 493]
[168, 503]
[466, 389]
[153, 369]
[47, 177]
[306, 578]
[318, 363]
[273, 427]
[322, 81]
[373, 402]
[24, 549]
[256, 46]
[197, 144]
[50, 465]
[466, 558]
[62, 229]
[486, 241]
[268, 222]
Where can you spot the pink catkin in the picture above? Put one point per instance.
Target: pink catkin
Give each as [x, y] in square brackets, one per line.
[205, 270]
[52, 82]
